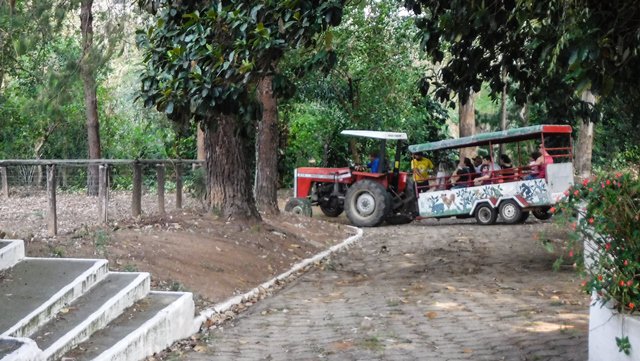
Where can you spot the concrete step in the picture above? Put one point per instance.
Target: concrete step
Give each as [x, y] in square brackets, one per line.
[11, 252]
[149, 326]
[36, 289]
[19, 349]
[90, 312]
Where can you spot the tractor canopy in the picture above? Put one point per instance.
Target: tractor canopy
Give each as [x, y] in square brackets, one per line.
[375, 134]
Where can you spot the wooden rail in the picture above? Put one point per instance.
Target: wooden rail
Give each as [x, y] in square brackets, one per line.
[103, 186]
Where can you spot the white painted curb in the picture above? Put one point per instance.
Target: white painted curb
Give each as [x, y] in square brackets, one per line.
[12, 253]
[239, 299]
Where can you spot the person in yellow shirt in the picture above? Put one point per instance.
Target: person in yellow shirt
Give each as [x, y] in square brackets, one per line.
[422, 168]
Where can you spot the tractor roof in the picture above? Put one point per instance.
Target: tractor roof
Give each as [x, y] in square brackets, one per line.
[505, 136]
[375, 134]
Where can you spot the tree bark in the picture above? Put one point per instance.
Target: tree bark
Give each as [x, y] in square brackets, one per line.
[503, 108]
[228, 171]
[87, 71]
[266, 184]
[202, 154]
[467, 124]
[584, 146]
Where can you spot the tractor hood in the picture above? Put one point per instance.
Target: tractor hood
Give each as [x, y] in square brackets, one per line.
[375, 134]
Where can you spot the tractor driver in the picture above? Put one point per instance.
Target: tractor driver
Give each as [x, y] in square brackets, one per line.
[374, 162]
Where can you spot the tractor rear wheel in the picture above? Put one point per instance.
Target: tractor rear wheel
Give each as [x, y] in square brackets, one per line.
[367, 203]
[299, 206]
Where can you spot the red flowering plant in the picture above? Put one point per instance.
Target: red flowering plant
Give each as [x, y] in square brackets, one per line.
[602, 215]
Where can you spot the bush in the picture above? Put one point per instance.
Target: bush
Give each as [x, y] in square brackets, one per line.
[604, 212]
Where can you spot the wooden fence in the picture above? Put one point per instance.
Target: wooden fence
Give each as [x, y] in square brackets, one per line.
[103, 189]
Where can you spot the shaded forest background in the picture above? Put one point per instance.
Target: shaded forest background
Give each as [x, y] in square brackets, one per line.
[373, 69]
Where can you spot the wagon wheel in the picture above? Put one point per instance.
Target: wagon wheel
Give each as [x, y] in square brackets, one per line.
[542, 213]
[485, 214]
[510, 211]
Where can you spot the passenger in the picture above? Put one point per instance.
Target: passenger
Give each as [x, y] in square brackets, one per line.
[505, 163]
[422, 168]
[486, 172]
[374, 162]
[477, 163]
[464, 175]
[542, 161]
[533, 164]
[444, 171]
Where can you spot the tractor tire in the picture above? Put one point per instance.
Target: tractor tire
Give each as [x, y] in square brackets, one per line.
[299, 206]
[542, 213]
[510, 211]
[331, 209]
[485, 214]
[524, 216]
[367, 203]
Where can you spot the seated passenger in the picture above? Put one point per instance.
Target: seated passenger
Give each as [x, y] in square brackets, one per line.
[444, 171]
[464, 175]
[505, 162]
[486, 171]
[533, 164]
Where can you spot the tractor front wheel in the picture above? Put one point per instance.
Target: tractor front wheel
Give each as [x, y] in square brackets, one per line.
[367, 203]
[299, 206]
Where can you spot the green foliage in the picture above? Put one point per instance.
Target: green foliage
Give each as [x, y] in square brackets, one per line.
[372, 86]
[551, 50]
[204, 58]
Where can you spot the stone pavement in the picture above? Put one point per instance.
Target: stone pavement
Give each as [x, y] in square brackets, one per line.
[447, 290]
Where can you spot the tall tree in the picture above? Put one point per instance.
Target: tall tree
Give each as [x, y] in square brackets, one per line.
[87, 71]
[205, 59]
[284, 33]
[547, 48]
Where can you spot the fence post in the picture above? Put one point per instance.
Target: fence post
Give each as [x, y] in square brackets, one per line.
[103, 193]
[5, 181]
[178, 186]
[136, 204]
[52, 217]
[160, 177]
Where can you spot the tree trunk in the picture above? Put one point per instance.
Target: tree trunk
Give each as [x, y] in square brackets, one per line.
[266, 184]
[503, 108]
[202, 155]
[584, 146]
[87, 72]
[228, 171]
[467, 123]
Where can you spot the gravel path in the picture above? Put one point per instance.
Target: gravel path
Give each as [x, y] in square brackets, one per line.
[427, 291]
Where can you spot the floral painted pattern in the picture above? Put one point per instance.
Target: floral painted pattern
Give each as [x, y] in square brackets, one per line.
[463, 201]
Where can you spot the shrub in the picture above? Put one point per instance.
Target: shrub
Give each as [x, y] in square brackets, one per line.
[603, 214]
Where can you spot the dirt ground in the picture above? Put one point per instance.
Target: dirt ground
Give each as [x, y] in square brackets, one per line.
[186, 249]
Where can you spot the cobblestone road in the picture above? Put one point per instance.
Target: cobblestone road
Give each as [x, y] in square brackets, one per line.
[426, 291]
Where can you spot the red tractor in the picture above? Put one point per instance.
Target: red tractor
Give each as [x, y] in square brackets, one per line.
[367, 198]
